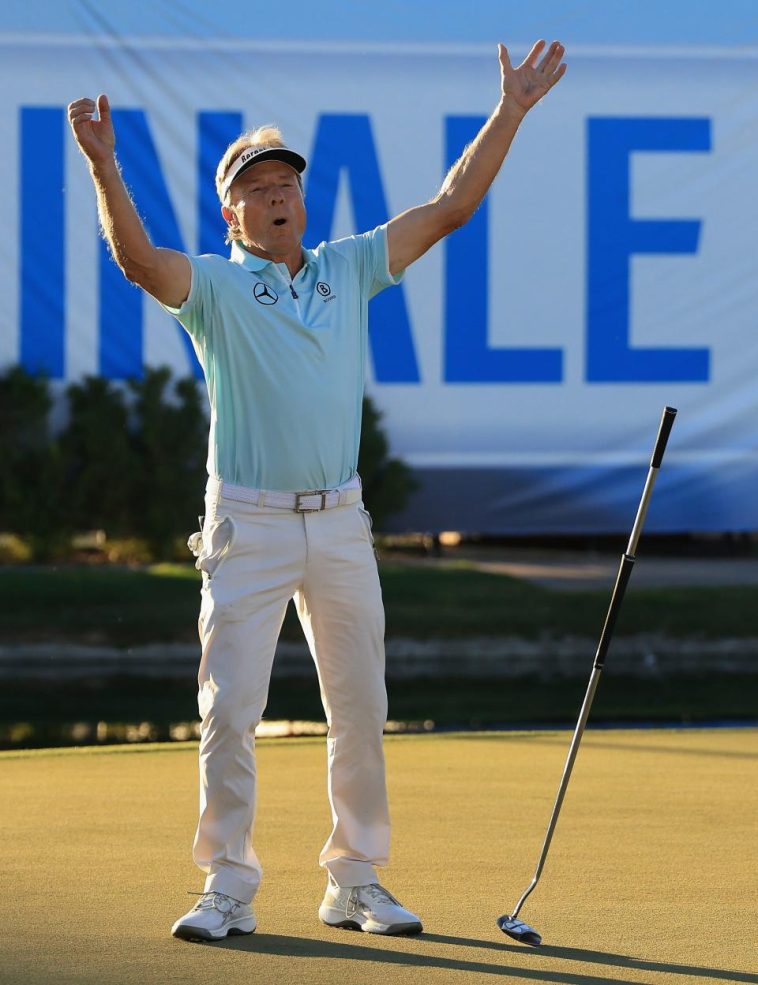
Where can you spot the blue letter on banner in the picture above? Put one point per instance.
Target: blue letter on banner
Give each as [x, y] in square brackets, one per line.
[468, 358]
[43, 291]
[346, 142]
[120, 302]
[613, 237]
[215, 132]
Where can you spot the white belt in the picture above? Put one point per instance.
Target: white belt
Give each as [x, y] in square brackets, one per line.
[308, 501]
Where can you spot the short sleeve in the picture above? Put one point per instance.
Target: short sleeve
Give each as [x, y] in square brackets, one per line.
[370, 254]
[195, 313]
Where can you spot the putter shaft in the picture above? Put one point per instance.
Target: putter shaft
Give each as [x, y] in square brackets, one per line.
[573, 749]
[619, 588]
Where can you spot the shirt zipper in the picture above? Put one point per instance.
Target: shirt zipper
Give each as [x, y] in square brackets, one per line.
[295, 296]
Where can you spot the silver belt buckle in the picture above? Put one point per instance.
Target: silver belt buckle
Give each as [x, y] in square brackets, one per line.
[299, 508]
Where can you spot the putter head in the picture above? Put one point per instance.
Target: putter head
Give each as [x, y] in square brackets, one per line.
[519, 931]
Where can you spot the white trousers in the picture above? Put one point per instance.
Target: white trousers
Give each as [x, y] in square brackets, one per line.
[254, 560]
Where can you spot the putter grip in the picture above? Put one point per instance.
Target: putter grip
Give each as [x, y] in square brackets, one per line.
[667, 422]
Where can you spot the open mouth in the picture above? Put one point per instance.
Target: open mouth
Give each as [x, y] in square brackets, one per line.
[280, 222]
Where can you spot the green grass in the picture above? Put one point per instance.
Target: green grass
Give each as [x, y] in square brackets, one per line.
[129, 607]
[648, 881]
[100, 605]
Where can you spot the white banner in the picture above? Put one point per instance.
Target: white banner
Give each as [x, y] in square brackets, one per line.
[523, 364]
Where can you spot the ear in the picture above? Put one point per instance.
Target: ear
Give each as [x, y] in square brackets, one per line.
[229, 217]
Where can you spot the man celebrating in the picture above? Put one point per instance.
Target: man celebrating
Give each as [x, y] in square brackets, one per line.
[281, 334]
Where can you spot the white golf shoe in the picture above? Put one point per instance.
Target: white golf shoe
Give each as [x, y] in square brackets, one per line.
[368, 908]
[213, 917]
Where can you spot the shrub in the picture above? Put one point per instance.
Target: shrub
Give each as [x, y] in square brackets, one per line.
[171, 436]
[131, 461]
[127, 550]
[387, 482]
[15, 549]
[100, 459]
[31, 464]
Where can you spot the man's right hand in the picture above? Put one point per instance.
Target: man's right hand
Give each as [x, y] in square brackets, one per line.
[95, 137]
[166, 274]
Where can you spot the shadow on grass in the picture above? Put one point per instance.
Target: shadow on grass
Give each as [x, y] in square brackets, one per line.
[597, 743]
[378, 952]
[606, 958]
[298, 947]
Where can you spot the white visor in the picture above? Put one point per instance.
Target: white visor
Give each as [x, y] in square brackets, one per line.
[254, 155]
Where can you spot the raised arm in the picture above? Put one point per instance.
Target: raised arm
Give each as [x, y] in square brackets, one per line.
[412, 233]
[166, 274]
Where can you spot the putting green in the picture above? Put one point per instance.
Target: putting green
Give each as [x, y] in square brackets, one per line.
[651, 877]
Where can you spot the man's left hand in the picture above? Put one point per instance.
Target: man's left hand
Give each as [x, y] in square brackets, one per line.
[526, 85]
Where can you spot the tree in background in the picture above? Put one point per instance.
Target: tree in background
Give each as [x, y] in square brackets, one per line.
[171, 437]
[100, 460]
[30, 469]
[131, 461]
[387, 482]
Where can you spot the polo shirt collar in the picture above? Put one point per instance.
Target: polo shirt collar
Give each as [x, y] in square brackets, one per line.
[255, 263]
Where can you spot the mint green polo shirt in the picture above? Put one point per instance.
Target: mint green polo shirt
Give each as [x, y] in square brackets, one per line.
[284, 360]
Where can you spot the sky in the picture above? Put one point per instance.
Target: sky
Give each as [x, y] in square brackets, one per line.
[609, 22]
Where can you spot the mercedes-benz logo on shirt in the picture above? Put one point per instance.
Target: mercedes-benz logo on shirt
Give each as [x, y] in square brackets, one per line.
[264, 294]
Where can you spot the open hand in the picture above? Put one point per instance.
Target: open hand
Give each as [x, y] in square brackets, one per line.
[95, 138]
[526, 85]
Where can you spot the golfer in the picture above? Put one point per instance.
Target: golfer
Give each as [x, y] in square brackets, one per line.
[281, 334]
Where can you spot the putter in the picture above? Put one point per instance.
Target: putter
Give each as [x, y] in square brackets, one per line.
[510, 924]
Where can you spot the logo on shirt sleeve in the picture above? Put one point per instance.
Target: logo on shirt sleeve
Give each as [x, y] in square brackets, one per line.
[264, 294]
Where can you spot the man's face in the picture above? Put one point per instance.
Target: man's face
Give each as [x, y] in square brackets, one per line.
[265, 209]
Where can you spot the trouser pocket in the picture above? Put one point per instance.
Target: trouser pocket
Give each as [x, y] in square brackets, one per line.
[212, 544]
[368, 525]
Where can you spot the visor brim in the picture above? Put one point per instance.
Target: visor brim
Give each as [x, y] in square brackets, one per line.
[290, 157]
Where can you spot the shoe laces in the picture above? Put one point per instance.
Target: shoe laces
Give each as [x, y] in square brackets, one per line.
[375, 893]
[215, 901]
[351, 905]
